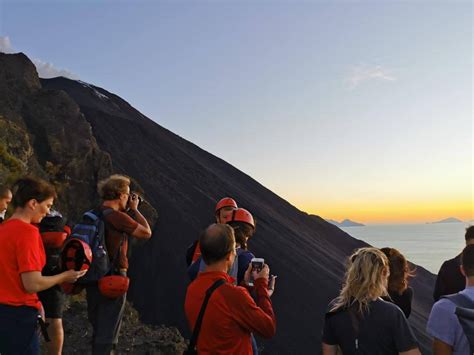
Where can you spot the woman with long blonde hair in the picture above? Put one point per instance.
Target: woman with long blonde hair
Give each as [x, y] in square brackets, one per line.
[359, 321]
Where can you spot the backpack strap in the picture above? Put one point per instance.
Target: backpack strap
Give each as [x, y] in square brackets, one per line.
[197, 326]
[465, 314]
[460, 300]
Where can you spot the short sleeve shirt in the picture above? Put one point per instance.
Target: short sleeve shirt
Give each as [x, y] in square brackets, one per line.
[118, 226]
[382, 330]
[21, 250]
[444, 325]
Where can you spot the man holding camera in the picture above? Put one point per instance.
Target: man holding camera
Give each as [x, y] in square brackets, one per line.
[231, 315]
[106, 313]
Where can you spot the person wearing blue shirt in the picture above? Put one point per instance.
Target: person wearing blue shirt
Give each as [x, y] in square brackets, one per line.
[443, 324]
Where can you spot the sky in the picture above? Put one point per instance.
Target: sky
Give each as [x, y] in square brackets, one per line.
[354, 109]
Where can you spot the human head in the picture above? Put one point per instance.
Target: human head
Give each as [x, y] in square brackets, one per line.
[5, 198]
[243, 224]
[224, 207]
[399, 270]
[34, 197]
[469, 236]
[115, 188]
[217, 244]
[467, 261]
[365, 280]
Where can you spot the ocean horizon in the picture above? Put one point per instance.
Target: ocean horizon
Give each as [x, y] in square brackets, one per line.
[426, 245]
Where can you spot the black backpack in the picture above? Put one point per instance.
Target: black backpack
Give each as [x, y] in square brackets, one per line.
[52, 223]
[465, 313]
[91, 230]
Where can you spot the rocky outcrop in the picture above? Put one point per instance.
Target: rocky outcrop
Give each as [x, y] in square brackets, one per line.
[135, 337]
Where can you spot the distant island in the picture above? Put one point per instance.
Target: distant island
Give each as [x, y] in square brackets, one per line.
[345, 223]
[448, 220]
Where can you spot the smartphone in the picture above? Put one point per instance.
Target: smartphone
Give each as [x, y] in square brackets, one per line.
[257, 265]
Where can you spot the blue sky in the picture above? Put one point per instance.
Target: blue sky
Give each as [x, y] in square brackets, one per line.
[347, 109]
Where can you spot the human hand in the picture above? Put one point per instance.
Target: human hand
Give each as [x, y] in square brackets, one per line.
[133, 201]
[72, 276]
[264, 273]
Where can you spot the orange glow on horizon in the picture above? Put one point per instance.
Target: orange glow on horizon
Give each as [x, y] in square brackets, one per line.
[398, 212]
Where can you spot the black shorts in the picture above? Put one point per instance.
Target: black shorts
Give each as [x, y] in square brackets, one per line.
[53, 301]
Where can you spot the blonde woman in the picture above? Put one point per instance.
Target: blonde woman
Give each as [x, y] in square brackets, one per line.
[359, 321]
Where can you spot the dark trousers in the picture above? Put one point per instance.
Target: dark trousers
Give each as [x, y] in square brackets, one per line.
[105, 315]
[18, 330]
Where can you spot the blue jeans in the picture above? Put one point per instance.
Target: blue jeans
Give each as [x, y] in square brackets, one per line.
[18, 330]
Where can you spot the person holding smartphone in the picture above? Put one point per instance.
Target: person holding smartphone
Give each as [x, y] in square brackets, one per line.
[22, 257]
[231, 315]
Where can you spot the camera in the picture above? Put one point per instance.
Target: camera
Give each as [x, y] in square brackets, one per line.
[133, 197]
[257, 266]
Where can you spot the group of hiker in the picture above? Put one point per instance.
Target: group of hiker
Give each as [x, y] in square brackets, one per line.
[36, 269]
[228, 300]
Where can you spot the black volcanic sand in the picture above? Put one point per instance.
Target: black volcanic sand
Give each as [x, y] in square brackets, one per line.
[182, 183]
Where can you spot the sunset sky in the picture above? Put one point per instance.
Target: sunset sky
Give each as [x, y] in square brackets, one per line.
[359, 110]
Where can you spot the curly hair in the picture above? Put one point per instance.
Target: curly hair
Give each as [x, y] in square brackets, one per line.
[242, 231]
[400, 271]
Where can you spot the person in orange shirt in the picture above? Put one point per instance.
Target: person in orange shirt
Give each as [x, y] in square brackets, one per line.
[231, 314]
[22, 258]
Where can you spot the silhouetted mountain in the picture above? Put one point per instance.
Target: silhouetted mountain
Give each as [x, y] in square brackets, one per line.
[345, 223]
[182, 182]
[449, 220]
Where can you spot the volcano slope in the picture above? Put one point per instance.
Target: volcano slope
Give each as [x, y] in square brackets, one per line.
[182, 182]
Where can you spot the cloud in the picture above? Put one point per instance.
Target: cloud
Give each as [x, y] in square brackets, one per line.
[5, 45]
[45, 69]
[364, 73]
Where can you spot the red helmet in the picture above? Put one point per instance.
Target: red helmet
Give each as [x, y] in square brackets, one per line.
[226, 202]
[53, 239]
[71, 289]
[241, 215]
[114, 286]
[76, 255]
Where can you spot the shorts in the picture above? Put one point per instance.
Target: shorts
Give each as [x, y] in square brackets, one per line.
[53, 301]
[18, 330]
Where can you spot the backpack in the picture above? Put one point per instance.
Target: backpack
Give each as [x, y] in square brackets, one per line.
[91, 230]
[465, 313]
[53, 233]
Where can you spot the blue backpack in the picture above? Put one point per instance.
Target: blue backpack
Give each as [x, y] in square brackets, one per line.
[91, 230]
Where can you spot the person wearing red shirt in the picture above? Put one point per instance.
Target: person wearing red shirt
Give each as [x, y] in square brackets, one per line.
[231, 314]
[105, 314]
[22, 258]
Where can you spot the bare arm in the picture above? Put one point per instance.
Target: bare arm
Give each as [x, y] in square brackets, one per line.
[415, 351]
[441, 348]
[143, 229]
[329, 349]
[34, 282]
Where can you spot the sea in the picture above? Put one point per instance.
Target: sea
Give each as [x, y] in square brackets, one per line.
[427, 245]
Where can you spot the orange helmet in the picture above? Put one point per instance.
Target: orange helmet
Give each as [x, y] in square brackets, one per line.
[226, 202]
[53, 239]
[241, 215]
[113, 286]
[76, 255]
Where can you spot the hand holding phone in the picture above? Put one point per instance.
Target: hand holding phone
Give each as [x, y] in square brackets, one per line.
[258, 266]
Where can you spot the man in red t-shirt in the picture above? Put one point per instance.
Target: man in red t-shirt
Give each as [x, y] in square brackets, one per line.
[231, 314]
[105, 314]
